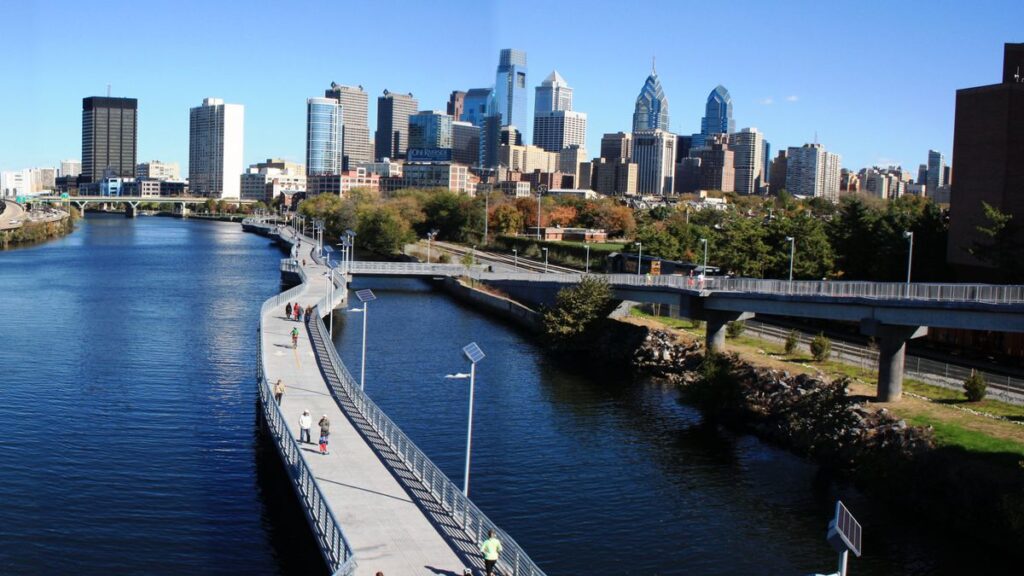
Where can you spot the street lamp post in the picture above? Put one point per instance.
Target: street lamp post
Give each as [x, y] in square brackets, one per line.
[792, 251]
[365, 296]
[545, 259]
[538, 215]
[330, 302]
[430, 239]
[587, 246]
[515, 259]
[639, 257]
[910, 256]
[704, 269]
[487, 197]
[474, 354]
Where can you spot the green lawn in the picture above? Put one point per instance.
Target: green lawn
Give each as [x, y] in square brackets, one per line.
[950, 434]
[956, 397]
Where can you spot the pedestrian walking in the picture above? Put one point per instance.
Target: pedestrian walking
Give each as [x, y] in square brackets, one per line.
[288, 310]
[295, 338]
[325, 431]
[278, 391]
[490, 548]
[298, 313]
[309, 313]
[305, 423]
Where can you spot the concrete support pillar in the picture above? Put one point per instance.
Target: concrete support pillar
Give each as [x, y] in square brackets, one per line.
[715, 327]
[184, 210]
[131, 209]
[892, 346]
[81, 207]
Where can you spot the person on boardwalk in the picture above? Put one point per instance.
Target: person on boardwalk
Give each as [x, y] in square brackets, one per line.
[288, 310]
[298, 313]
[490, 548]
[309, 313]
[295, 338]
[278, 391]
[305, 423]
[325, 431]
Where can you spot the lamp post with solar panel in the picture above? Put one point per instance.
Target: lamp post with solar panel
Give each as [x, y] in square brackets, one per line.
[474, 354]
[844, 534]
[365, 296]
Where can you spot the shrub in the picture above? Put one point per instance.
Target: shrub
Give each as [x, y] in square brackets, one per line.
[577, 308]
[792, 341]
[821, 348]
[975, 387]
[734, 329]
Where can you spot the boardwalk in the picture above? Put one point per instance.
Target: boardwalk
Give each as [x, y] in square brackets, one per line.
[399, 514]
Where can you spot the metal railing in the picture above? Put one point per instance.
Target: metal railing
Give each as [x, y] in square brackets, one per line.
[334, 546]
[467, 516]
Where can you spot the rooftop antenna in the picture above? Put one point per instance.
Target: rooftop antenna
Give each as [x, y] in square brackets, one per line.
[655, 71]
[1017, 75]
[815, 137]
[108, 90]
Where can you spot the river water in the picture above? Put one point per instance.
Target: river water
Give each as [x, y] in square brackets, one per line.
[129, 444]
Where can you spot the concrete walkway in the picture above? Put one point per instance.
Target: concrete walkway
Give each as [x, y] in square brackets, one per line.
[389, 532]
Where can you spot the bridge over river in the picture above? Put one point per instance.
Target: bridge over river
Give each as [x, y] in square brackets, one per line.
[375, 502]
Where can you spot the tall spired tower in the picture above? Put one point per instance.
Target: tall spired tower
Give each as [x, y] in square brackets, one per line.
[651, 112]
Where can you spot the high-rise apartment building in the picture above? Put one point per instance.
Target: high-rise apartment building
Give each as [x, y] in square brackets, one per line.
[215, 140]
[747, 147]
[456, 104]
[812, 171]
[70, 168]
[393, 112]
[651, 110]
[559, 129]
[988, 165]
[324, 122]
[109, 137]
[157, 170]
[553, 94]
[511, 98]
[616, 146]
[779, 168]
[430, 130]
[936, 170]
[654, 152]
[356, 147]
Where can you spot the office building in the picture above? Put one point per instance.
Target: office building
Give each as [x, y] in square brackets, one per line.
[654, 152]
[15, 183]
[560, 129]
[528, 159]
[511, 98]
[651, 110]
[42, 180]
[717, 114]
[324, 123]
[157, 170]
[778, 170]
[109, 137]
[812, 171]
[265, 181]
[430, 130]
[342, 184]
[922, 174]
[687, 175]
[616, 177]
[747, 147]
[215, 139]
[456, 104]
[71, 168]
[454, 177]
[617, 146]
[475, 105]
[988, 165]
[717, 161]
[766, 168]
[569, 161]
[465, 143]
[355, 129]
[553, 94]
[936, 170]
[393, 112]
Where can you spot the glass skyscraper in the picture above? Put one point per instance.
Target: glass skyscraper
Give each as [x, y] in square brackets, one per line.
[651, 112]
[718, 113]
[430, 130]
[510, 93]
[324, 119]
[474, 106]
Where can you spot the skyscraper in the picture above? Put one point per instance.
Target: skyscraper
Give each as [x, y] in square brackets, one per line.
[988, 166]
[393, 112]
[70, 168]
[717, 161]
[324, 121]
[474, 106]
[616, 146]
[717, 115]
[215, 139]
[936, 171]
[747, 147]
[654, 154]
[355, 129]
[109, 137]
[559, 129]
[430, 130]
[553, 94]
[812, 171]
[651, 111]
[456, 104]
[510, 94]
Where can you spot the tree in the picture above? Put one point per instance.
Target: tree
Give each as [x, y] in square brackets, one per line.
[506, 219]
[382, 230]
[449, 213]
[792, 341]
[740, 247]
[563, 216]
[1002, 244]
[657, 241]
[821, 348]
[975, 387]
[576, 310]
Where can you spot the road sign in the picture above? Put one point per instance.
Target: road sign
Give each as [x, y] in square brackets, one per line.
[844, 531]
[65, 196]
[20, 199]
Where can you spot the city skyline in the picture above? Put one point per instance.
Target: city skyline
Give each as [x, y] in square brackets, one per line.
[788, 95]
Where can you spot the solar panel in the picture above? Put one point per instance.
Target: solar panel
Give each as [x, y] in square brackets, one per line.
[844, 531]
[473, 352]
[365, 295]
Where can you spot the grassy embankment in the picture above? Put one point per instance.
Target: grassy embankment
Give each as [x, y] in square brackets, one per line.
[953, 428]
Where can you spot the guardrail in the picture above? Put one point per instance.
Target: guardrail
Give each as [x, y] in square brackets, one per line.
[470, 519]
[334, 546]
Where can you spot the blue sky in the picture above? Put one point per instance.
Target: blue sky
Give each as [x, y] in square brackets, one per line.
[875, 81]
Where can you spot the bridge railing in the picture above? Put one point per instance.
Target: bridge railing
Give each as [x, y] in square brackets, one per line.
[470, 519]
[336, 549]
[983, 293]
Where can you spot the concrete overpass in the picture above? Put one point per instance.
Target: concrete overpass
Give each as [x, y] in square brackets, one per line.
[131, 203]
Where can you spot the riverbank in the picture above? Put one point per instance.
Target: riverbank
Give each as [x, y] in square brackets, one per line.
[35, 232]
[925, 458]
